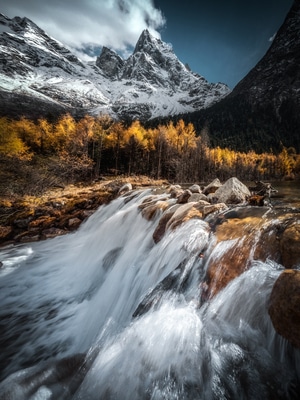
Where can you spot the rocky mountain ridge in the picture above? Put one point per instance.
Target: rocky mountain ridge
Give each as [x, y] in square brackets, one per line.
[39, 75]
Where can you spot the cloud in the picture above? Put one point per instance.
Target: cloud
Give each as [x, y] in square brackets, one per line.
[79, 24]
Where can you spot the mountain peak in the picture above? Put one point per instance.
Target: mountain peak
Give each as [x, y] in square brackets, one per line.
[110, 62]
[147, 43]
[151, 83]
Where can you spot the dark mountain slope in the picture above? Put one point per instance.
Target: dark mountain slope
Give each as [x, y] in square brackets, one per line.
[263, 110]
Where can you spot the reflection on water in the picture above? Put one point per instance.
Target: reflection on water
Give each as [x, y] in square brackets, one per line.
[288, 194]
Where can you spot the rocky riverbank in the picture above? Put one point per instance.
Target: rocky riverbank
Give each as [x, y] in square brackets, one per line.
[59, 210]
[245, 225]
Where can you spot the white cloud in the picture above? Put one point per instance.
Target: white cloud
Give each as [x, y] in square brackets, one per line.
[116, 24]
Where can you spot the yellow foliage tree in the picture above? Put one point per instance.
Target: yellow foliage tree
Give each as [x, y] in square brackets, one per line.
[11, 145]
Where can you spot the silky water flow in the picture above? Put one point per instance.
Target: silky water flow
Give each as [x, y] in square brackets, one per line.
[105, 313]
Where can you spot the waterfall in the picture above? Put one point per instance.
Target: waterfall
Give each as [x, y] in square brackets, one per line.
[105, 313]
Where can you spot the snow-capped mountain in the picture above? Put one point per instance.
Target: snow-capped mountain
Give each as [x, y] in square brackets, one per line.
[40, 76]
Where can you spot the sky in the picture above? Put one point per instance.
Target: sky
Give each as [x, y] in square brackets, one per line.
[220, 40]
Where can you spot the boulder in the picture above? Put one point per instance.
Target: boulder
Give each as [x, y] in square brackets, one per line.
[197, 197]
[211, 208]
[232, 192]
[184, 197]
[74, 223]
[284, 306]
[151, 210]
[195, 188]
[290, 245]
[212, 187]
[161, 227]
[125, 188]
[175, 191]
[184, 213]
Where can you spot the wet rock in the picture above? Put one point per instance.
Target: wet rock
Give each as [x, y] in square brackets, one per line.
[290, 245]
[74, 223]
[87, 213]
[232, 192]
[184, 197]
[151, 210]
[212, 187]
[175, 280]
[175, 191]
[236, 241]
[209, 209]
[184, 213]
[27, 237]
[52, 232]
[197, 197]
[284, 306]
[161, 227]
[125, 188]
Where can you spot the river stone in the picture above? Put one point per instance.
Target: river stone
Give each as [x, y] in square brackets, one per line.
[150, 211]
[125, 188]
[284, 306]
[184, 197]
[195, 188]
[184, 213]
[73, 223]
[290, 245]
[212, 187]
[232, 192]
[161, 227]
[209, 209]
[197, 197]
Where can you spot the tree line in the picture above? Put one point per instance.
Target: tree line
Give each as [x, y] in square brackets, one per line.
[92, 146]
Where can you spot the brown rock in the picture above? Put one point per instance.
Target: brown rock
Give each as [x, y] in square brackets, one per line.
[150, 211]
[52, 232]
[74, 223]
[41, 222]
[184, 197]
[209, 209]
[212, 187]
[183, 214]
[161, 227]
[5, 232]
[197, 197]
[235, 257]
[290, 245]
[284, 306]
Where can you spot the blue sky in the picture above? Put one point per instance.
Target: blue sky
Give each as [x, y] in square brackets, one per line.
[220, 40]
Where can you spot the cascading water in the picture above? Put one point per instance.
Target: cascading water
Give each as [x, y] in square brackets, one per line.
[105, 313]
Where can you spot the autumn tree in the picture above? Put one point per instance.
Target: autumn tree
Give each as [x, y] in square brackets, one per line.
[99, 139]
[11, 144]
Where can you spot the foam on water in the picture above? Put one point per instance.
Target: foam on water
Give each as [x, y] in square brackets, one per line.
[68, 332]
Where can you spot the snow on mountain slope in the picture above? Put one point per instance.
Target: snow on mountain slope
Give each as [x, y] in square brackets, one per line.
[152, 82]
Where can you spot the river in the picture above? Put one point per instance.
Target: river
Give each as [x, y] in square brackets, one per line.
[105, 313]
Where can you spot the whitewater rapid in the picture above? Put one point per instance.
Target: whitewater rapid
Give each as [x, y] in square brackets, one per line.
[105, 313]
